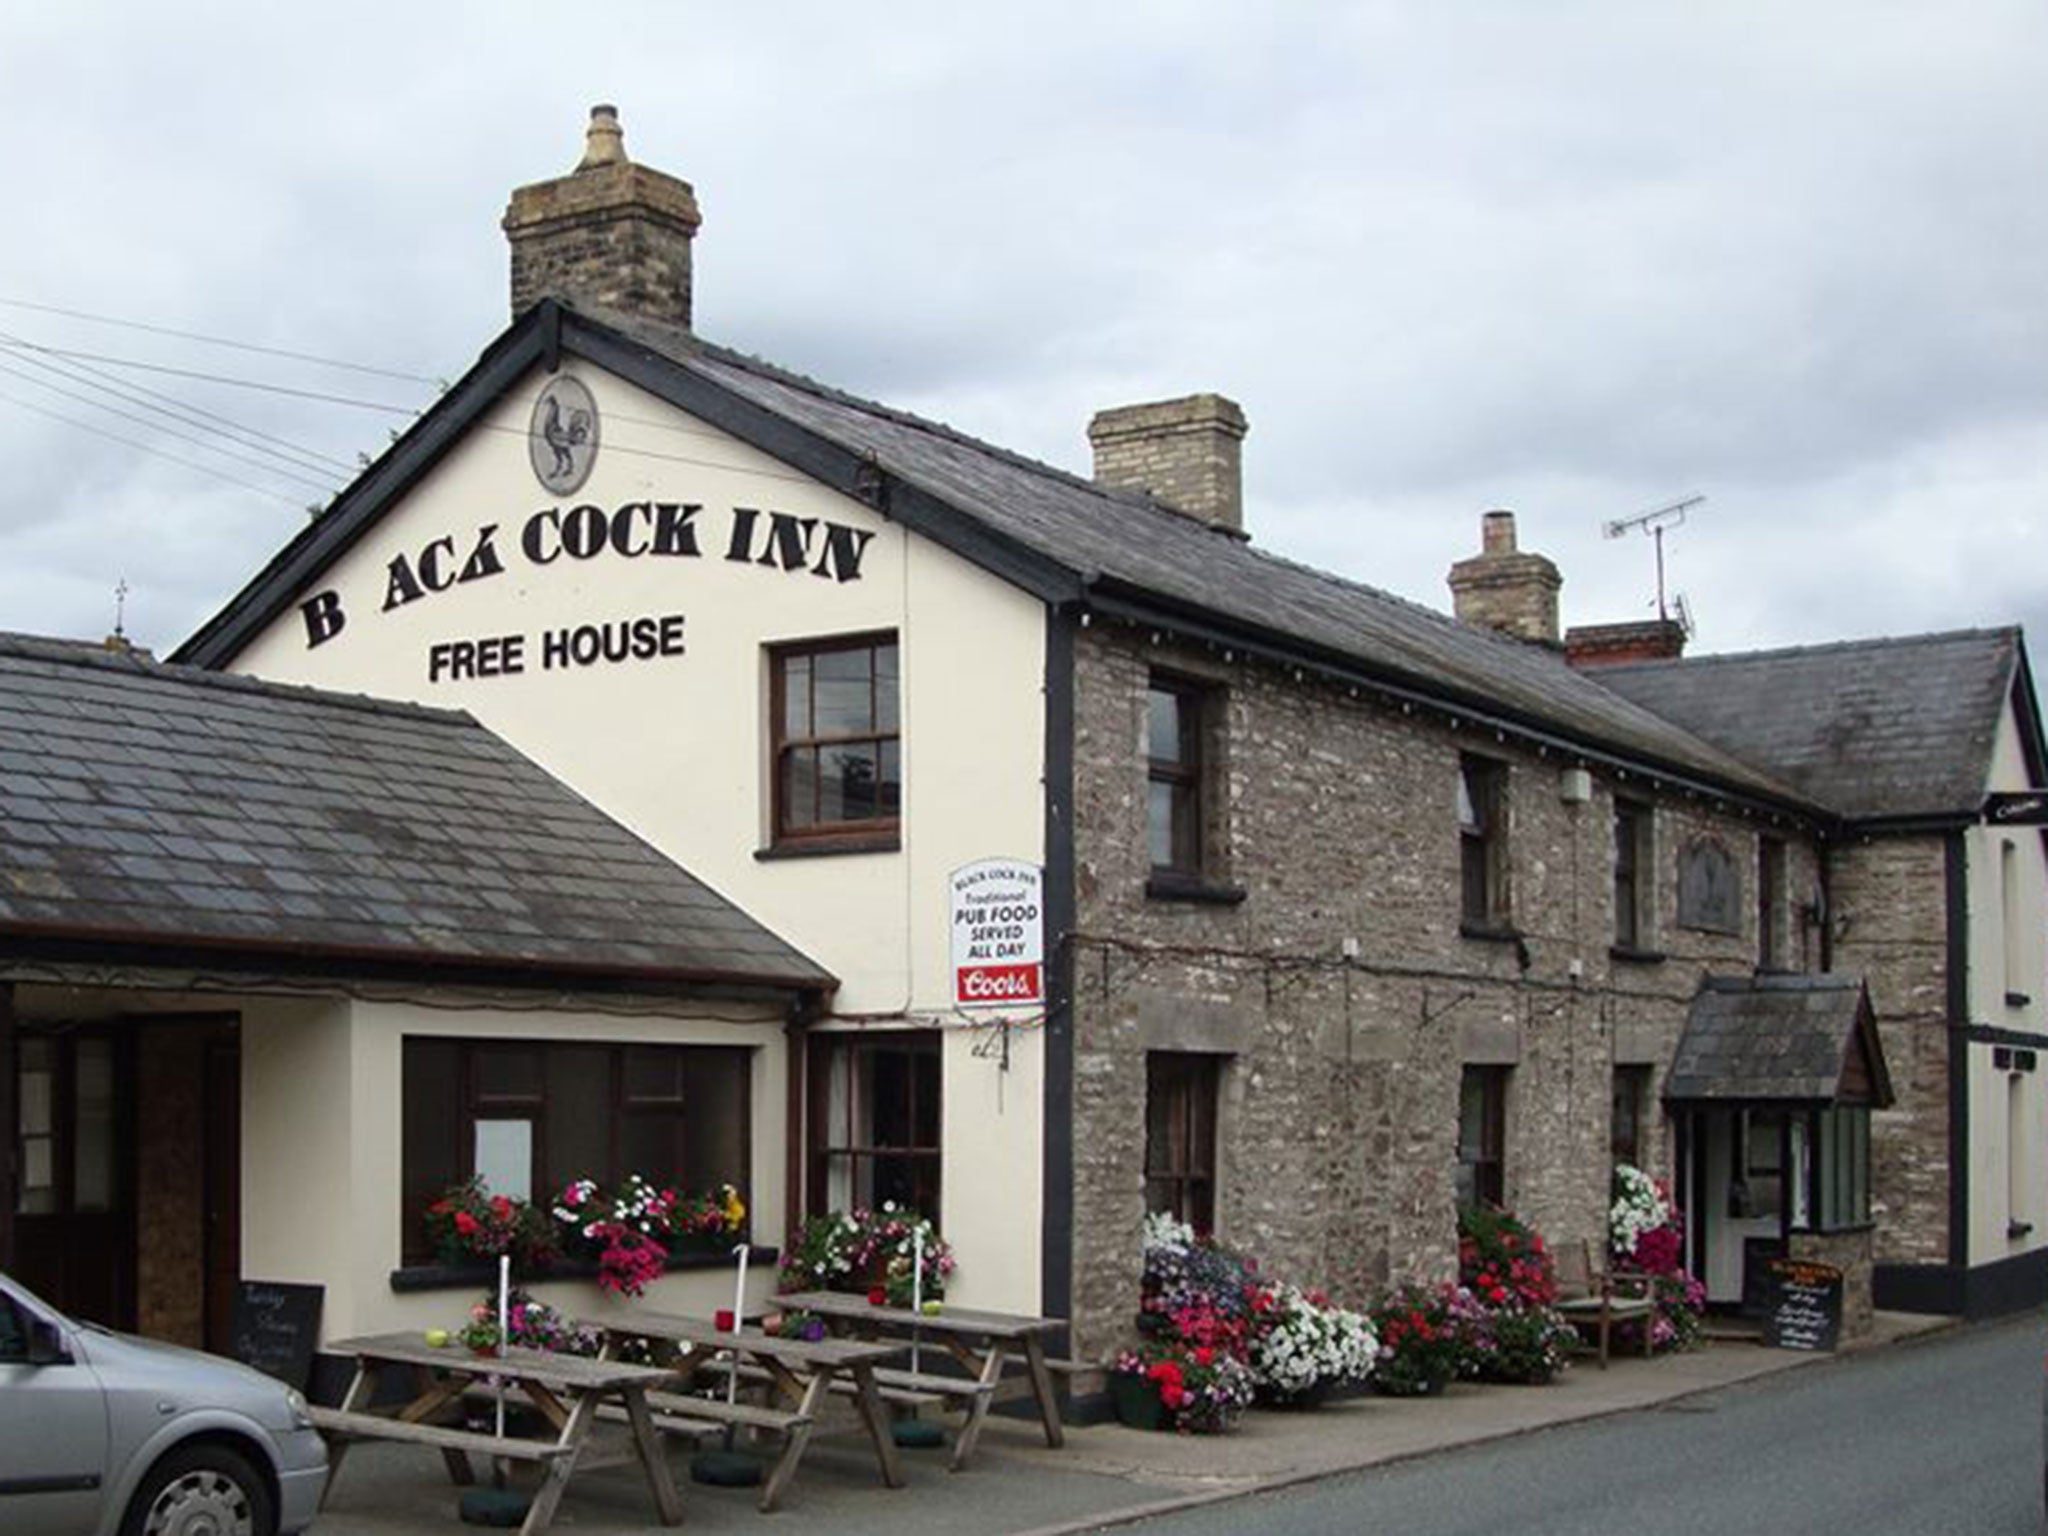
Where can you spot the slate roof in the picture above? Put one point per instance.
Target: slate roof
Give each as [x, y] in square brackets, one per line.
[1775, 1039]
[998, 506]
[162, 805]
[1871, 728]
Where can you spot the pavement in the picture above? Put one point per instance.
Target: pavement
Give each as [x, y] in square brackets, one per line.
[1105, 1474]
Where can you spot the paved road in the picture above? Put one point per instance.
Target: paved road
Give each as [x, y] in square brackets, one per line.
[1941, 1437]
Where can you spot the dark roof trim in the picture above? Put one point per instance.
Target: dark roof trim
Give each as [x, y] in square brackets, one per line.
[2027, 707]
[1117, 601]
[1906, 826]
[853, 475]
[50, 942]
[357, 509]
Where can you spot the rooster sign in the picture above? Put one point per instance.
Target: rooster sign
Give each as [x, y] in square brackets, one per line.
[562, 438]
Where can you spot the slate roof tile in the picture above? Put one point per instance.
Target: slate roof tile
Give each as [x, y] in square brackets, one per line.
[1872, 728]
[200, 807]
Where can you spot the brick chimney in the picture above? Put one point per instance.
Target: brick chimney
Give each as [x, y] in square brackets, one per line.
[1600, 645]
[1502, 588]
[1184, 453]
[610, 232]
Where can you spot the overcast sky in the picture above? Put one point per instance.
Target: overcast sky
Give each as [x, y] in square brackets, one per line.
[1581, 260]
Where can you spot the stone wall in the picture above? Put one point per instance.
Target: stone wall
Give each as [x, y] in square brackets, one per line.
[1890, 920]
[1340, 989]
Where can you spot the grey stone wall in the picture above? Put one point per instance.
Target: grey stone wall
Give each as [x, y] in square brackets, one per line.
[1890, 919]
[1340, 989]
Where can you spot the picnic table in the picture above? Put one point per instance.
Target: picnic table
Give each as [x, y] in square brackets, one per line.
[982, 1342]
[798, 1374]
[567, 1389]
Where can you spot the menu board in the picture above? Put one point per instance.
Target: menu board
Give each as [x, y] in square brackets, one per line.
[275, 1327]
[1802, 1305]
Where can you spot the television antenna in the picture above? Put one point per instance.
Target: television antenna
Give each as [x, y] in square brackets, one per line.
[1654, 523]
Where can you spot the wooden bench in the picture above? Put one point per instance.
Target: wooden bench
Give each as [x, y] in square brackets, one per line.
[1593, 1299]
[692, 1415]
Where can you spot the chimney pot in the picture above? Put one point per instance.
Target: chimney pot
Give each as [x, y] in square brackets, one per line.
[1506, 589]
[610, 233]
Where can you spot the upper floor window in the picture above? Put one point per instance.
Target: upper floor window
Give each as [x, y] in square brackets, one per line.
[838, 747]
[1174, 726]
[1634, 891]
[1770, 904]
[1482, 840]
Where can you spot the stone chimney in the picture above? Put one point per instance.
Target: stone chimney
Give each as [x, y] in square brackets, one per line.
[1502, 588]
[610, 232]
[1184, 453]
[1601, 645]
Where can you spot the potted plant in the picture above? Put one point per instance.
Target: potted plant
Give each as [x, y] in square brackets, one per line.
[868, 1252]
[1197, 1389]
[1425, 1338]
[633, 1230]
[1303, 1348]
[468, 1223]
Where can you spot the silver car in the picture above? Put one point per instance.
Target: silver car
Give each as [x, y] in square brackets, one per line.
[101, 1432]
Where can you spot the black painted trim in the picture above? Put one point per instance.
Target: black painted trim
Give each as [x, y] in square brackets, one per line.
[1125, 601]
[827, 848]
[358, 508]
[1957, 866]
[1991, 1034]
[1917, 1288]
[1989, 1290]
[851, 474]
[452, 1277]
[1056, 1232]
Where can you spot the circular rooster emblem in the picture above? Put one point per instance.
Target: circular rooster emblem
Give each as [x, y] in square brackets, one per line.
[562, 438]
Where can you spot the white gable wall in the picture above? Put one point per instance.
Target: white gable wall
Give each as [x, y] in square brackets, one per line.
[676, 746]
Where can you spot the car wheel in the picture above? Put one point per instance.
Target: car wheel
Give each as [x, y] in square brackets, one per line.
[202, 1490]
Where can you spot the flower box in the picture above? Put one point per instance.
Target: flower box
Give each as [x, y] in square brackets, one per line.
[1137, 1403]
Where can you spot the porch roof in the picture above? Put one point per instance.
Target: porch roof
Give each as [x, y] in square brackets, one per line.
[159, 809]
[1780, 1040]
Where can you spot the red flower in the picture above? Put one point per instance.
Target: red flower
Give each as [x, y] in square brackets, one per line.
[1205, 1356]
[878, 1297]
[465, 1223]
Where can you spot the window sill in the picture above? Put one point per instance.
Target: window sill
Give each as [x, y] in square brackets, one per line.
[828, 847]
[1628, 954]
[1489, 933]
[484, 1274]
[1167, 887]
[2017, 1000]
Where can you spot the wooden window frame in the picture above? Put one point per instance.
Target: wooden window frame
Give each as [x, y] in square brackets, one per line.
[1488, 1178]
[878, 832]
[827, 1143]
[424, 1172]
[1635, 864]
[1184, 776]
[1183, 1090]
[1482, 843]
[1629, 1101]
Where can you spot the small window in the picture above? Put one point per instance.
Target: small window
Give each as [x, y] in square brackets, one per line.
[1628, 1134]
[1633, 861]
[874, 1121]
[838, 750]
[1842, 1167]
[1482, 840]
[1175, 723]
[1770, 904]
[1482, 1137]
[1180, 1136]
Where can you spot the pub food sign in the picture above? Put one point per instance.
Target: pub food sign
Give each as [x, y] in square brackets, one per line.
[998, 920]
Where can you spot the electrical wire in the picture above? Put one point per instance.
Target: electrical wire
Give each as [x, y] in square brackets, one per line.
[129, 442]
[143, 395]
[184, 437]
[222, 341]
[234, 383]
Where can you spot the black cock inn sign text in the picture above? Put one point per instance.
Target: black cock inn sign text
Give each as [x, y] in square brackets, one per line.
[634, 530]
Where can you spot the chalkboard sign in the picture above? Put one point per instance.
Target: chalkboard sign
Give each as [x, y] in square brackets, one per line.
[1803, 1305]
[276, 1327]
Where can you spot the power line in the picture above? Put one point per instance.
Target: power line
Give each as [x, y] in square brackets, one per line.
[217, 378]
[222, 341]
[189, 415]
[184, 437]
[204, 469]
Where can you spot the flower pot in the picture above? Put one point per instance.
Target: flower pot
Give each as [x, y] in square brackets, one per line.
[1408, 1386]
[1137, 1403]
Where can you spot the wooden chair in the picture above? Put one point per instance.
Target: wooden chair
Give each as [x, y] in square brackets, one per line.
[1594, 1299]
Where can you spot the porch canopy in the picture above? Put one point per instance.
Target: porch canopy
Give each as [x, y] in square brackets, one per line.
[1780, 1040]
